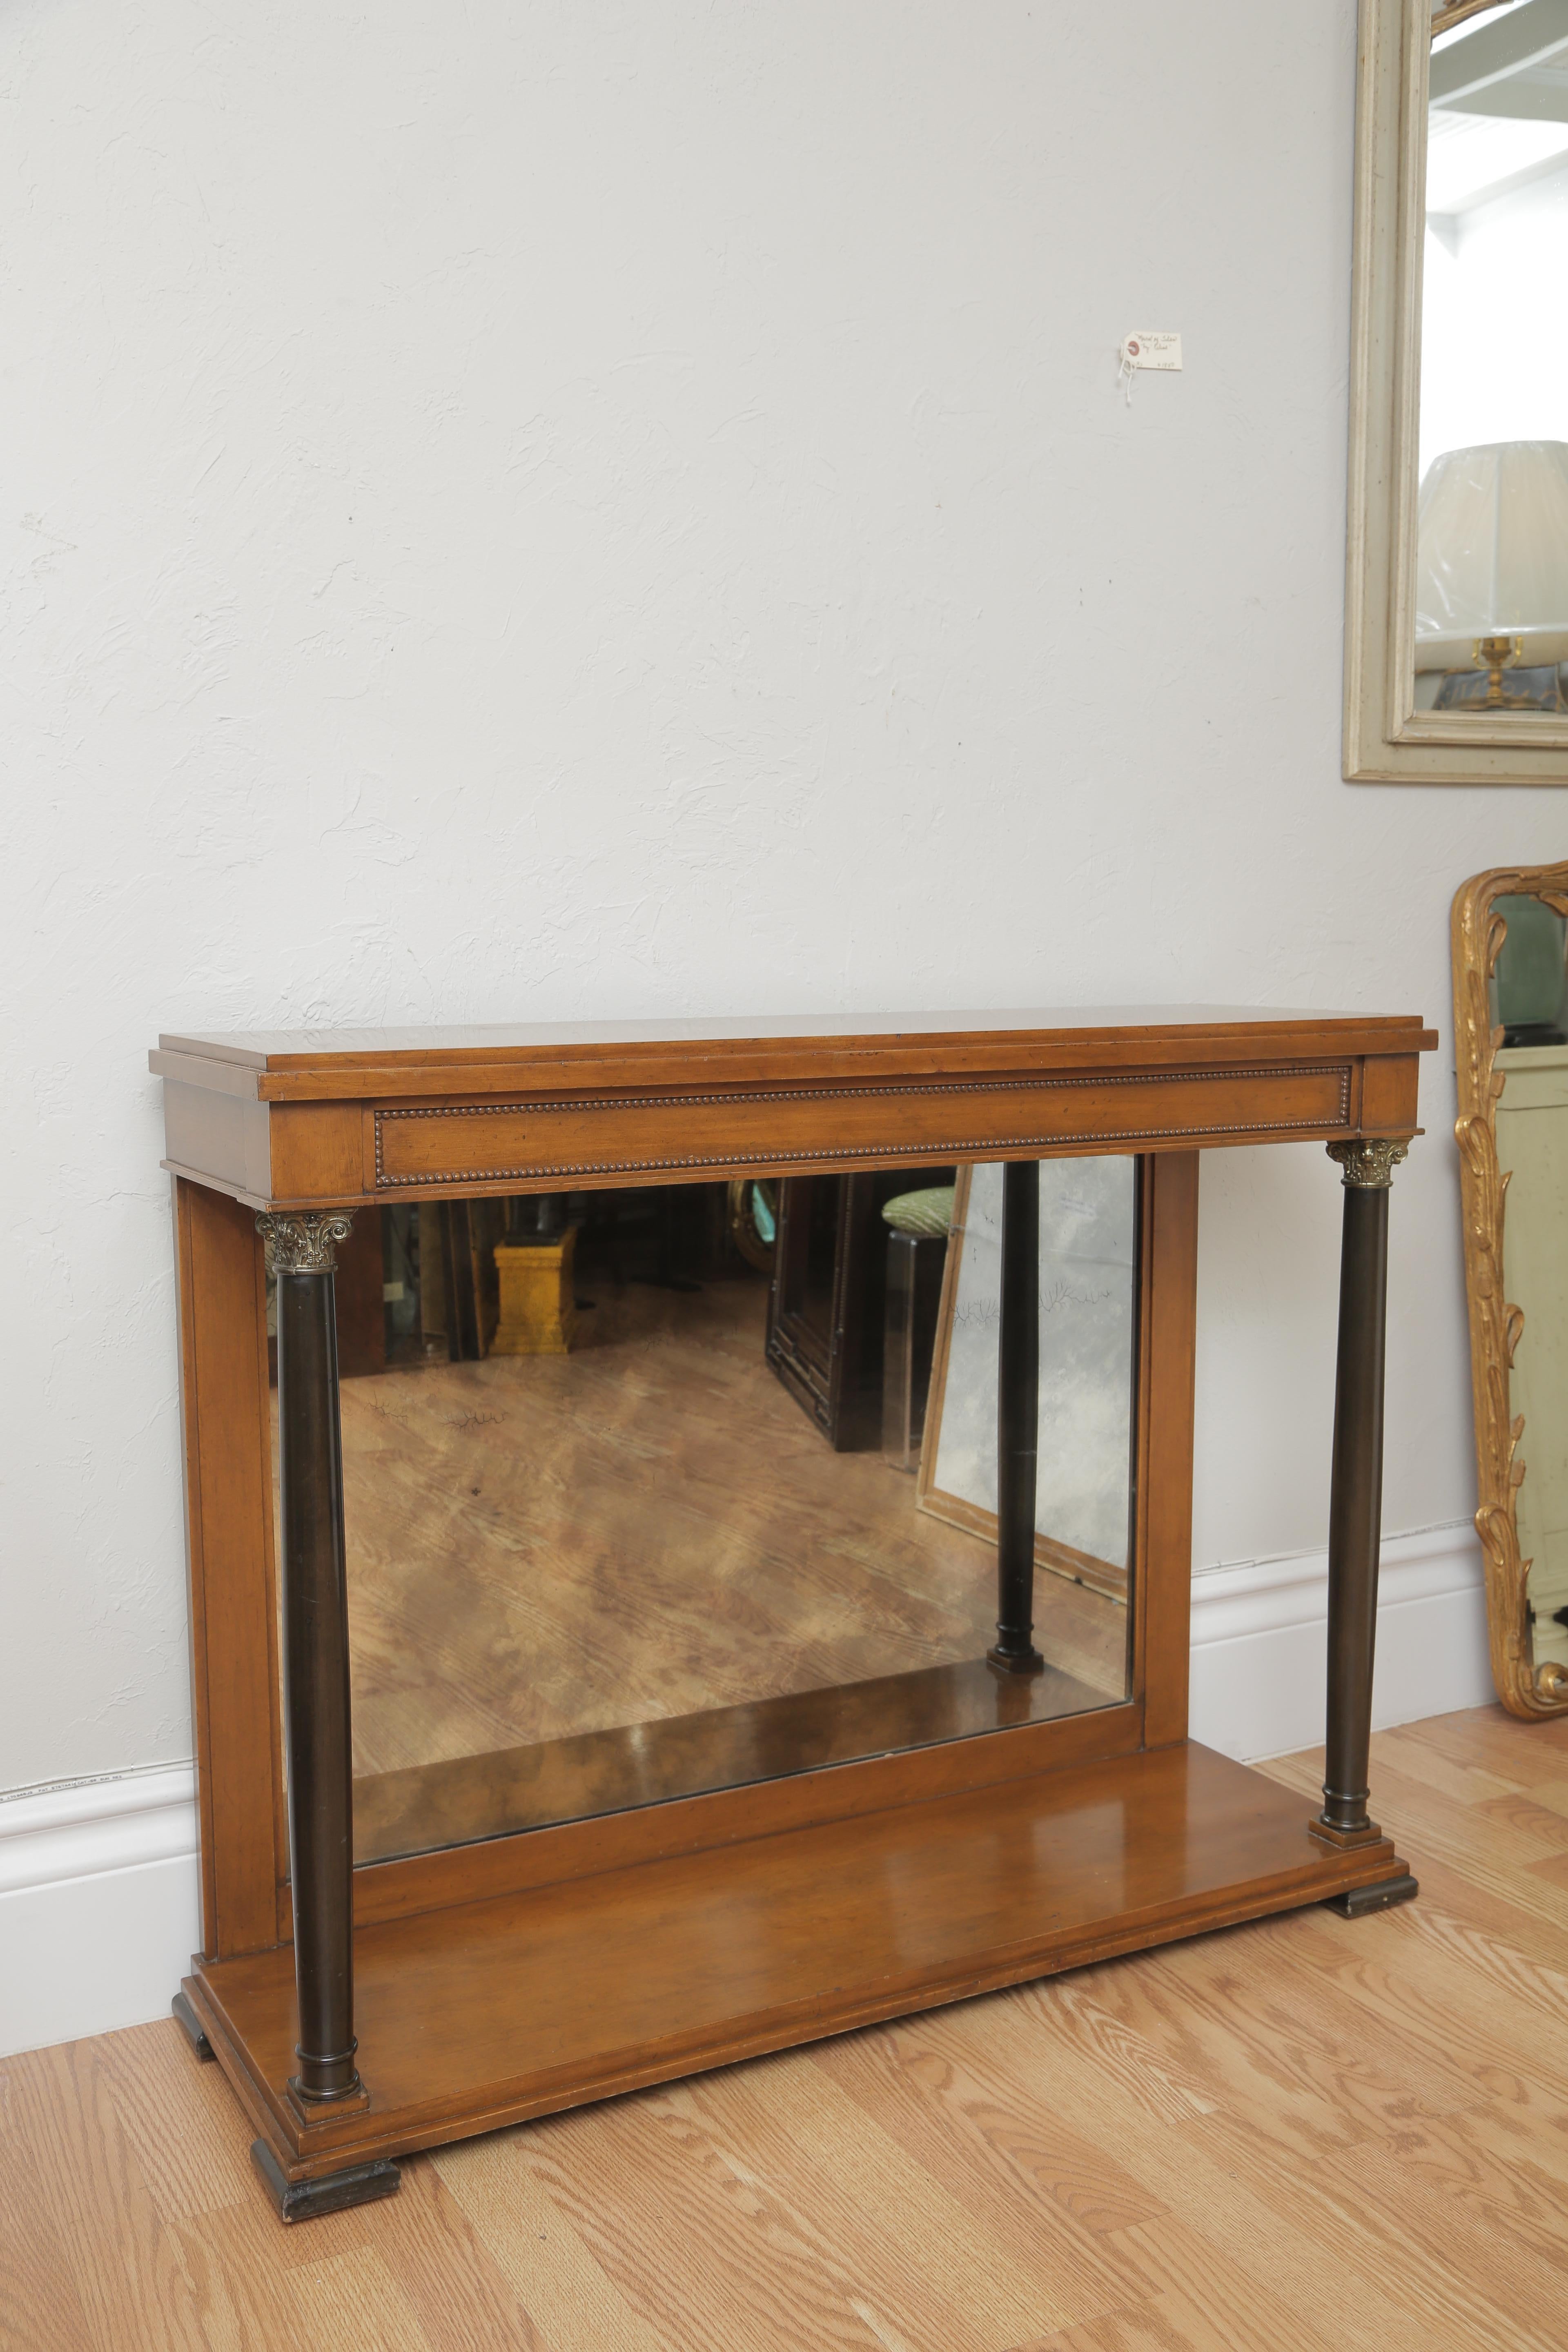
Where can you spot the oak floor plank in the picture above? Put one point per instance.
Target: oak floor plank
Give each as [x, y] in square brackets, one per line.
[700, 2206]
[1303, 1771]
[125, 2268]
[457, 2290]
[1250, 2046]
[1518, 1811]
[1492, 1740]
[1150, 2077]
[431, 2282]
[1147, 2330]
[803, 2128]
[191, 2137]
[1537, 2158]
[1419, 1759]
[510, 2204]
[244, 2284]
[1207, 2299]
[1424, 2000]
[1299, 2026]
[40, 2310]
[353, 2304]
[1552, 1793]
[1447, 2285]
[1454, 2201]
[1493, 1857]
[1554, 1869]
[1218, 2182]
[1519, 1947]
[990, 2132]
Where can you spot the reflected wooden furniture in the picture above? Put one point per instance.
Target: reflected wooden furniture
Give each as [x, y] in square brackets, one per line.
[363, 2012]
[826, 1306]
[361, 1303]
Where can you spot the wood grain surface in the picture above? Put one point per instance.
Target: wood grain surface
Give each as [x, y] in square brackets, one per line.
[1306, 2134]
[234, 1669]
[294, 1120]
[488, 2013]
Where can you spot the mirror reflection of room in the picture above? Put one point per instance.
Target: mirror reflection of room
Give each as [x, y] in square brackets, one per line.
[1491, 585]
[1530, 1005]
[668, 1489]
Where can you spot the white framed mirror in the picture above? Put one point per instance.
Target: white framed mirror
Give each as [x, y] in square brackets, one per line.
[1456, 588]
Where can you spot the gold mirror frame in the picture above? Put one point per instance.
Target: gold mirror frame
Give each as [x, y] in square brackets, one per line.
[1479, 931]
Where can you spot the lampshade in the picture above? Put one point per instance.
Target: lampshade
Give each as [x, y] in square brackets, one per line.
[1492, 553]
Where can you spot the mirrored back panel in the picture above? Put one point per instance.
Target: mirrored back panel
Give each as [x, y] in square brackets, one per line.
[669, 1489]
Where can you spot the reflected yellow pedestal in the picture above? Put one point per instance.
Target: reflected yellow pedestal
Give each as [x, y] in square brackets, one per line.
[538, 1311]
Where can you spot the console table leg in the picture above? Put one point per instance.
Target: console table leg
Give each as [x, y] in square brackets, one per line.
[1355, 1507]
[302, 1253]
[1017, 1419]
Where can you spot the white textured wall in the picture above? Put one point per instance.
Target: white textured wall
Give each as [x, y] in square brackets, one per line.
[518, 510]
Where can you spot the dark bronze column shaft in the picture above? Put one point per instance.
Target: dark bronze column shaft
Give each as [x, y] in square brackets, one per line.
[1017, 1418]
[316, 1651]
[1355, 1505]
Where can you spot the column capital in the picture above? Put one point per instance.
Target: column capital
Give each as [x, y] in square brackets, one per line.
[1368, 1163]
[306, 1243]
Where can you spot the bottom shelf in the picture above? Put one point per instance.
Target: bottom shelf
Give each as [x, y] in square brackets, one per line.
[490, 2012]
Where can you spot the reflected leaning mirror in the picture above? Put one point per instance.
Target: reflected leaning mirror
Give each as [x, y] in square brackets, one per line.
[660, 1490]
[1511, 1019]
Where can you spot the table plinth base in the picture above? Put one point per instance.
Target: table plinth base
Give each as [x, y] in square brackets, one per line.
[490, 2012]
[1357, 1901]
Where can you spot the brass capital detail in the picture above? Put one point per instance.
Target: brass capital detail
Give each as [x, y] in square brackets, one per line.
[305, 1243]
[1368, 1165]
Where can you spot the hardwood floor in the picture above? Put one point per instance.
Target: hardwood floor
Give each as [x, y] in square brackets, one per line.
[1307, 2135]
[542, 1548]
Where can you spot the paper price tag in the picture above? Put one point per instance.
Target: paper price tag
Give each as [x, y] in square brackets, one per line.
[1147, 347]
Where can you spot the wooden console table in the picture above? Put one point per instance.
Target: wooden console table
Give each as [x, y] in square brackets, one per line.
[362, 2013]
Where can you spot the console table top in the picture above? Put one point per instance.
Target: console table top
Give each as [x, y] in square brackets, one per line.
[278, 1065]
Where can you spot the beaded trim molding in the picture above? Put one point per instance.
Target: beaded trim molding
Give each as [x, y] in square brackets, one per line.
[924, 1149]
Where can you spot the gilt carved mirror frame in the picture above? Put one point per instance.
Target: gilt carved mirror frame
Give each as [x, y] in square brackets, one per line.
[1495, 1326]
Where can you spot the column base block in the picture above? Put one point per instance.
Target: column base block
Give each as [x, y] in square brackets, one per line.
[1015, 1661]
[1357, 1901]
[1343, 1839]
[333, 2192]
[312, 2111]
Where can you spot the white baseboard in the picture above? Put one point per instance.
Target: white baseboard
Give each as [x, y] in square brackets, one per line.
[1259, 1656]
[98, 1905]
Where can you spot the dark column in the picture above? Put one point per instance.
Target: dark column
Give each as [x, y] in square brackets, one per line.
[1017, 1418]
[302, 1251]
[1355, 1507]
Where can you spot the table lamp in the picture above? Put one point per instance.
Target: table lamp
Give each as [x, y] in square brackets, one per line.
[1491, 567]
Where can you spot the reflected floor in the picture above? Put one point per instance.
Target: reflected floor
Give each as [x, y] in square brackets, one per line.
[560, 1550]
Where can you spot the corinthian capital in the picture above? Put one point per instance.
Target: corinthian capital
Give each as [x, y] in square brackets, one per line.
[1368, 1165]
[305, 1243]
